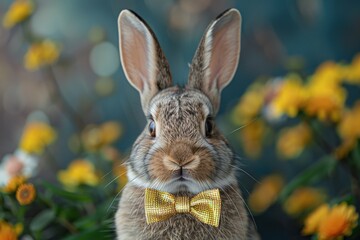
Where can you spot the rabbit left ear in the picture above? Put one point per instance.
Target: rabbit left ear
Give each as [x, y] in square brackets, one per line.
[216, 59]
[143, 61]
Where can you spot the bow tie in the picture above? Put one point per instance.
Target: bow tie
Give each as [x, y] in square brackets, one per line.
[205, 206]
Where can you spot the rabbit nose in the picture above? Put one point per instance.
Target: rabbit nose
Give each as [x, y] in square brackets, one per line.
[181, 156]
[172, 164]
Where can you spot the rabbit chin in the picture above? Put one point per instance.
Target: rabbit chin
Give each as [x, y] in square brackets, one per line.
[175, 186]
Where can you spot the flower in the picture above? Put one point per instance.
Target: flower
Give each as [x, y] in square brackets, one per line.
[331, 223]
[290, 97]
[313, 221]
[349, 131]
[265, 193]
[96, 137]
[25, 194]
[251, 136]
[328, 73]
[293, 140]
[7, 231]
[303, 199]
[18, 163]
[41, 54]
[120, 171]
[79, 172]
[14, 183]
[250, 104]
[18, 12]
[325, 100]
[349, 127]
[352, 72]
[339, 222]
[36, 136]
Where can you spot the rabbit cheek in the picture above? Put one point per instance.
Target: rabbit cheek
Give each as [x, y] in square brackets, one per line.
[157, 169]
[206, 168]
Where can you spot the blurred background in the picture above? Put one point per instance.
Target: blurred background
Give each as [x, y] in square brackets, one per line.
[87, 85]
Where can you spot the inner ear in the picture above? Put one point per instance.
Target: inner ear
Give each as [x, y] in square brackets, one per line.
[138, 55]
[143, 61]
[216, 59]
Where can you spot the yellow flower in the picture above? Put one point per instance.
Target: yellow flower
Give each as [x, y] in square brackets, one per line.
[328, 73]
[250, 104]
[79, 172]
[14, 183]
[41, 54]
[303, 199]
[349, 127]
[7, 231]
[313, 221]
[25, 194]
[265, 193]
[251, 136]
[326, 97]
[36, 137]
[293, 140]
[352, 72]
[18, 12]
[96, 137]
[290, 98]
[339, 222]
[349, 131]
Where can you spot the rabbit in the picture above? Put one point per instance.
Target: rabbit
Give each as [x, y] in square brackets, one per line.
[181, 151]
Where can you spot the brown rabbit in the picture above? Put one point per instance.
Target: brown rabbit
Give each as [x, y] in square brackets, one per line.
[181, 151]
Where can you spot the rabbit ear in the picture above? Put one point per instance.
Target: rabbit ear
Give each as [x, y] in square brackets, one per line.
[216, 59]
[142, 59]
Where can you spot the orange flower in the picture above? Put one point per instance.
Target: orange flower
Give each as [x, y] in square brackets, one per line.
[251, 136]
[339, 222]
[302, 200]
[7, 231]
[26, 194]
[313, 221]
[14, 183]
[96, 137]
[293, 140]
[265, 193]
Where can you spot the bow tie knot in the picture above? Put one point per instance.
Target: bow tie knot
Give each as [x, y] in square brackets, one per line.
[205, 206]
[182, 204]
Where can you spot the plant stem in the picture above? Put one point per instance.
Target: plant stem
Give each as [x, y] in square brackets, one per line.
[68, 109]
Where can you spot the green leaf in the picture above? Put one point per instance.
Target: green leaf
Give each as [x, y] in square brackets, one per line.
[349, 199]
[356, 155]
[72, 196]
[312, 174]
[41, 220]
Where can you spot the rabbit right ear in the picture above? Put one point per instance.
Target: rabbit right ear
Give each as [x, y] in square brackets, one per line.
[142, 59]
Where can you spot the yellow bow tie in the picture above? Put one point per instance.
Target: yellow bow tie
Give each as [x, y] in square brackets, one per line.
[205, 206]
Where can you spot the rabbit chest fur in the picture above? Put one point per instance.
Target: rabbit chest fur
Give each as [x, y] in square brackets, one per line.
[131, 222]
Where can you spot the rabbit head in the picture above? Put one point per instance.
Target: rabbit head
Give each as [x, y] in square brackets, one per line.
[180, 149]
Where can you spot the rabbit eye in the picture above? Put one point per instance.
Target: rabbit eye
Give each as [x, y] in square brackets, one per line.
[152, 128]
[208, 127]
